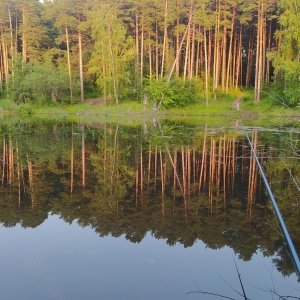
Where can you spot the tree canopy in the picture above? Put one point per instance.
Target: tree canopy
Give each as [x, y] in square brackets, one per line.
[121, 47]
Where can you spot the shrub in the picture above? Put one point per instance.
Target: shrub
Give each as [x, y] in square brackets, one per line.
[41, 83]
[177, 93]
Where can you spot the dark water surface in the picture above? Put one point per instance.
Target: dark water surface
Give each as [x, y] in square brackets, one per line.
[158, 211]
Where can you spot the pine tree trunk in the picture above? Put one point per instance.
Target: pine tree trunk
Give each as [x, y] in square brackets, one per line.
[136, 45]
[142, 49]
[4, 58]
[156, 50]
[239, 61]
[187, 50]
[249, 59]
[12, 54]
[192, 56]
[209, 54]
[80, 68]
[230, 51]
[24, 45]
[197, 58]
[216, 54]
[150, 57]
[69, 64]
[269, 48]
[177, 39]
[165, 40]
[206, 68]
[224, 52]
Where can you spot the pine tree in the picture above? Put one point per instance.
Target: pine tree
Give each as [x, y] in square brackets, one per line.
[286, 59]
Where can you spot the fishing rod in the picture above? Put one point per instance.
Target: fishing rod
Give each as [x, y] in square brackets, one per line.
[277, 211]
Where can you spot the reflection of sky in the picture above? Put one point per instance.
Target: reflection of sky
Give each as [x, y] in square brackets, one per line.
[62, 261]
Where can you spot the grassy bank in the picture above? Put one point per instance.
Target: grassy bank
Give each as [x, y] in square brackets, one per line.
[225, 106]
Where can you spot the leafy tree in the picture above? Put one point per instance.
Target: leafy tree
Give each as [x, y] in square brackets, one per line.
[112, 52]
[286, 58]
[38, 83]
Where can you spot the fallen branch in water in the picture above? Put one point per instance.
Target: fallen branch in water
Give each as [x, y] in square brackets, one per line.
[208, 293]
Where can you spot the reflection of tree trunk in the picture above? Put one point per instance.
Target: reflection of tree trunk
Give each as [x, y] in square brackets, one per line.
[11, 162]
[225, 161]
[212, 169]
[18, 174]
[3, 160]
[174, 170]
[30, 178]
[136, 184]
[162, 173]
[183, 171]
[252, 174]
[203, 161]
[219, 163]
[141, 168]
[83, 156]
[243, 161]
[149, 166]
[105, 152]
[188, 171]
[194, 170]
[229, 170]
[72, 161]
[233, 164]
[155, 168]
[174, 165]
[114, 158]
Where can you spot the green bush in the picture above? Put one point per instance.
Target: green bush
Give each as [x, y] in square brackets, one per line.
[178, 93]
[8, 105]
[25, 109]
[36, 83]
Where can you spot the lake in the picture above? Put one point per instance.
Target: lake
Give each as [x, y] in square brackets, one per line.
[165, 209]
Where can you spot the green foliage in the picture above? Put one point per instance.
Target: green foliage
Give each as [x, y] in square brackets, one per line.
[178, 93]
[37, 83]
[113, 51]
[25, 109]
[286, 60]
[8, 105]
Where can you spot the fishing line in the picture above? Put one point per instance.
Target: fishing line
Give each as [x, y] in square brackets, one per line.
[277, 211]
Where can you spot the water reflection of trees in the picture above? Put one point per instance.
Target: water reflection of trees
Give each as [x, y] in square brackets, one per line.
[119, 181]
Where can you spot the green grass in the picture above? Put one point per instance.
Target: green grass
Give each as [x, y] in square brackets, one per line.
[133, 111]
[266, 106]
[213, 108]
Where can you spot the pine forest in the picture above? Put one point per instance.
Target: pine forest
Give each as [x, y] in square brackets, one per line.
[66, 51]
